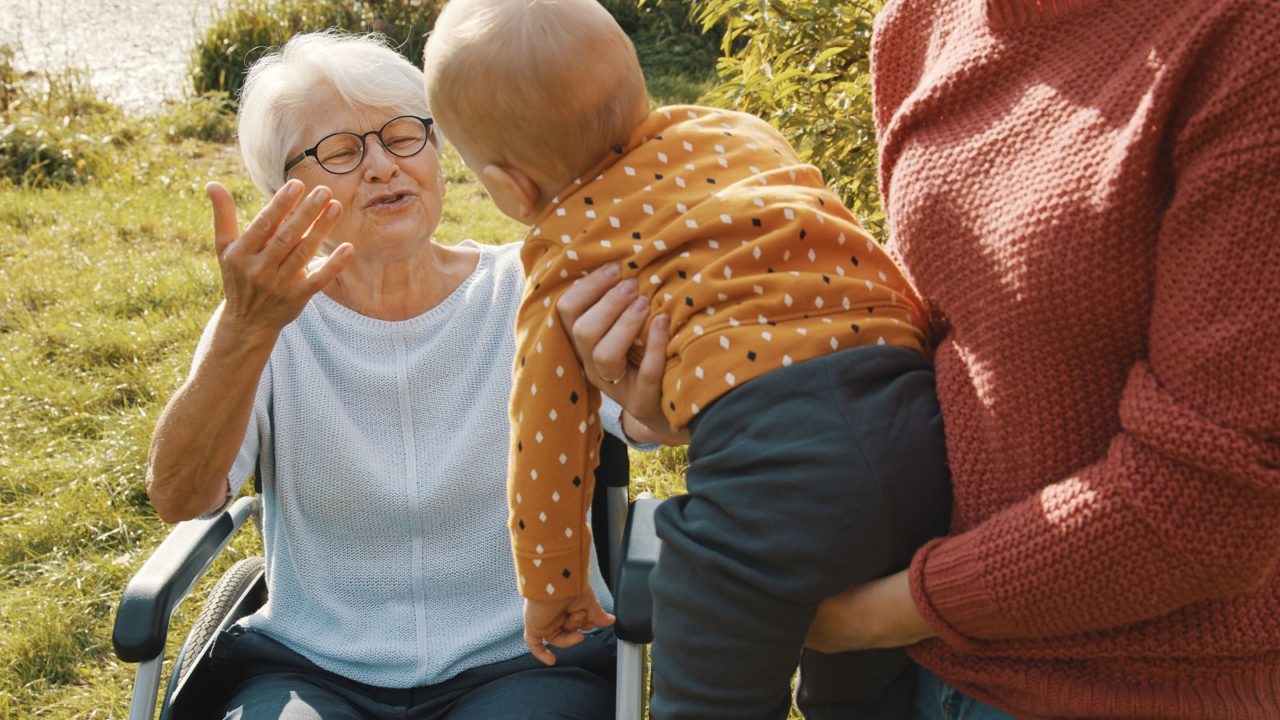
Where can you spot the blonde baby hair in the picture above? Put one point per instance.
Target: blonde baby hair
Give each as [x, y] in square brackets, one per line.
[544, 85]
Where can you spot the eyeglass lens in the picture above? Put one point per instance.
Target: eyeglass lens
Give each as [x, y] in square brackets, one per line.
[342, 152]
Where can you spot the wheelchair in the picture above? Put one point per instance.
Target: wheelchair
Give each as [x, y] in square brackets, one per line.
[626, 547]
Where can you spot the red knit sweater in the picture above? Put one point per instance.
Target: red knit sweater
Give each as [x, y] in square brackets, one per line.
[1087, 192]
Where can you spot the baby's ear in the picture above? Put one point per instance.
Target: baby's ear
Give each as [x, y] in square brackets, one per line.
[514, 192]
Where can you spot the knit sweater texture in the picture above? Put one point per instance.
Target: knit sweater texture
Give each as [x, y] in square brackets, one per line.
[383, 458]
[1087, 195]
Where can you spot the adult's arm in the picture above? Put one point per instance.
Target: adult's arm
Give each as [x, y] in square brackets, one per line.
[267, 280]
[1184, 507]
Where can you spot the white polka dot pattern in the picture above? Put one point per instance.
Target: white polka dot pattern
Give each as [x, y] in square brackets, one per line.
[708, 236]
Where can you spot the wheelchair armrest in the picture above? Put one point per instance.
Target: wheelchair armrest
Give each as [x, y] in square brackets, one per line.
[142, 622]
[632, 602]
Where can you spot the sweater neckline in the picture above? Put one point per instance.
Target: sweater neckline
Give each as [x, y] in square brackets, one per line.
[1020, 13]
[442, 309]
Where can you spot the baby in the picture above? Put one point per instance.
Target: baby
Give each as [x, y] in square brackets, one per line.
[797, 359]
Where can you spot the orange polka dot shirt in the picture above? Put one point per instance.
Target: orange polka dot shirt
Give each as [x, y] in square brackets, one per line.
[757, 264]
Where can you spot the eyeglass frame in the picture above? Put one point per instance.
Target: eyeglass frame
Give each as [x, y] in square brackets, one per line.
[364, 137]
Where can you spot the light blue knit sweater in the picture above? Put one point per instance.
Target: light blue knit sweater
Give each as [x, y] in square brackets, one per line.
[384, 452]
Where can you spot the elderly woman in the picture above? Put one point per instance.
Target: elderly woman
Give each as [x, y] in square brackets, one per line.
[370, 388]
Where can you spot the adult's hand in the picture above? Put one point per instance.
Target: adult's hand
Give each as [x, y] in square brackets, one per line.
[875, 614]
[605, 317]
[267, 274]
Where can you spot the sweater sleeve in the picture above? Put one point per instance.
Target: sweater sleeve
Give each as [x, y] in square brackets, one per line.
[1184, 507]
[554, 438]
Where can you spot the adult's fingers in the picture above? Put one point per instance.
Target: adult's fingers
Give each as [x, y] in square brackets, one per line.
[225, 229]
[647, 386]
[305, 249]
[586, 292]
[269, 218]
[337, 261]
[289, 233]
[592, 323]
[609, 354]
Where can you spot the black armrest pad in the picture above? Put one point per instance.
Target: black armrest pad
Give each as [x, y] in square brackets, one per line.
[632, 602]
[142, 622]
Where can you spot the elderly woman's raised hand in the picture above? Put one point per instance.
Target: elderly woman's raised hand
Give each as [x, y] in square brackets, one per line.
[267, 273]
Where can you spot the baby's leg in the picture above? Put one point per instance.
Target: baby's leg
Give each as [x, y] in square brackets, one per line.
[785, 508]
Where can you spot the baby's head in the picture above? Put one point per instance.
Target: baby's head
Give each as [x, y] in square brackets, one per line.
[532, 93]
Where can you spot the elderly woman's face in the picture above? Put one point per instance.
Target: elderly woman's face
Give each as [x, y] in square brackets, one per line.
[388, 201]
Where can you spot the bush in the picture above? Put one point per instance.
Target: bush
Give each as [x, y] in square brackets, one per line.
[54, 129]
[205, 117]
[804, 66]
[667, 40]
[247, 28]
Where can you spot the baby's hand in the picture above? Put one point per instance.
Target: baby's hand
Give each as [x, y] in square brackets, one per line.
[557, 622]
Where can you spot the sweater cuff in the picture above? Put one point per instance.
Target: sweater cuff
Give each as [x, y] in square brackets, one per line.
[948, 587]
[611, 422]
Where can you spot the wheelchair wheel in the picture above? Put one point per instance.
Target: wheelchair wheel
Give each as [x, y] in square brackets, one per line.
[222, 599]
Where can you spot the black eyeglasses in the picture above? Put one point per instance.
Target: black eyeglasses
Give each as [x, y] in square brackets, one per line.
[342, 152]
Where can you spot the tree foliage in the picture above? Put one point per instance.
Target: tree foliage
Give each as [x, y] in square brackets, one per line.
[804, 65]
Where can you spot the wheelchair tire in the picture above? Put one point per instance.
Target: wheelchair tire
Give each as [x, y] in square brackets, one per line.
[231, 586]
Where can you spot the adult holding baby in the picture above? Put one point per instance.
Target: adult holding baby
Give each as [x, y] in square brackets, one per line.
[1086, 195]
[370, 389]
[797, 359]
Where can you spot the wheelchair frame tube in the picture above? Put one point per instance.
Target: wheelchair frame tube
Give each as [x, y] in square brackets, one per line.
[618, 505]
[145, 688]
[631, 697]
[146, 685]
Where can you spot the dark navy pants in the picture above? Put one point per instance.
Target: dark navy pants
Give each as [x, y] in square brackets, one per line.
[268, 681]
[801, 483]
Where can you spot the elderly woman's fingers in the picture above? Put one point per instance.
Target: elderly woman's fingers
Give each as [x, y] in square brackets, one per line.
[320, 277]
[586, 292]
[225, 227]
[609, 353]
[291, 230]
[264, 224]
[305, 249]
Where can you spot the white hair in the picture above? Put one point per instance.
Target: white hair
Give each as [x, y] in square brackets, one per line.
[363, 70]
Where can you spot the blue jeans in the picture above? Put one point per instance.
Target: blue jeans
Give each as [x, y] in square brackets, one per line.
[936, 700]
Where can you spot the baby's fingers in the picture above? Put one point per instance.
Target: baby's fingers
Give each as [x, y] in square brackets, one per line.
[562, 639]
[539, 650]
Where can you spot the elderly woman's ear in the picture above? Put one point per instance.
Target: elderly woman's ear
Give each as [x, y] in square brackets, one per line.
[513, 191]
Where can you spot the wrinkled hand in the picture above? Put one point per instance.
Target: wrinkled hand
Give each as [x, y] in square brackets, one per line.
[558, 622]
[267, 273]
[875, 614]
[605, 317]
